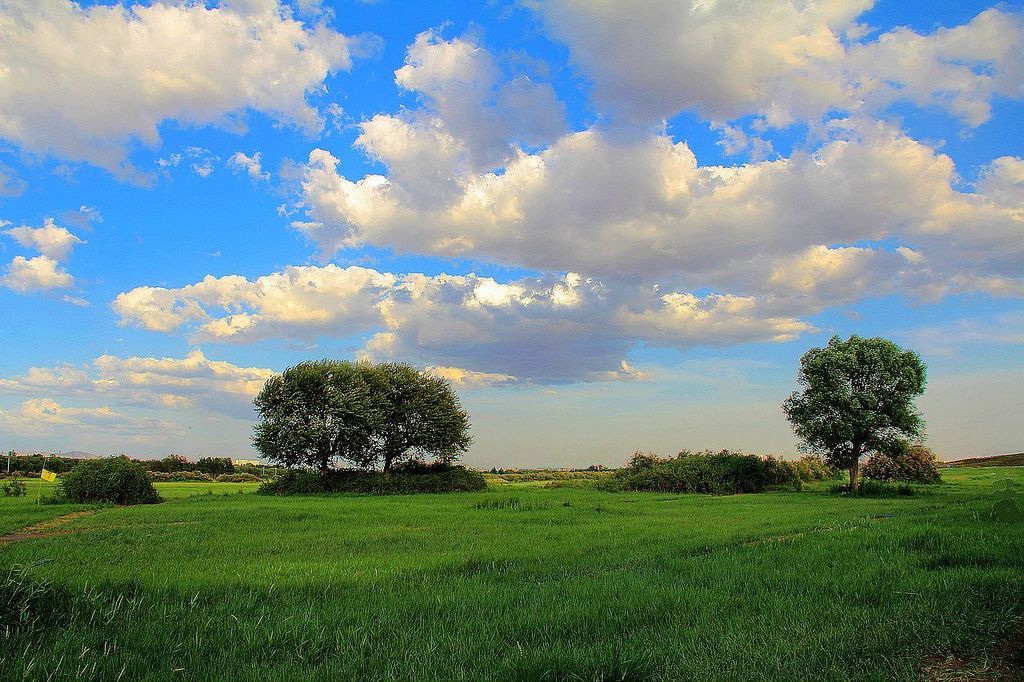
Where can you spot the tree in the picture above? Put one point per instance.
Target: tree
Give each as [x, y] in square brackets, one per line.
[316, 412]
[419, 415]
[858, 395]
[215, 466]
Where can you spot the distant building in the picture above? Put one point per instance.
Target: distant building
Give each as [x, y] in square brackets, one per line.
[246, 462]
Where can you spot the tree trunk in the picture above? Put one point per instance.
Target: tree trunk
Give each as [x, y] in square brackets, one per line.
[387, 465]
[854, 483]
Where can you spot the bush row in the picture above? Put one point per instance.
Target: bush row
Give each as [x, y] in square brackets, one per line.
[187, 476]
[717, 473]
[450, 479]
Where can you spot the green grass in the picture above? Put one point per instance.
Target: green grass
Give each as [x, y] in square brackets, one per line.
[562, 584]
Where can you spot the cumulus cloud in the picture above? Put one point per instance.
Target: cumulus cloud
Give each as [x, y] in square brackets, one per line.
[27, 275]
[782, 61]
[646, 208]
[192, 381]
[44, 272]
[85, 83]
[51, 240]
[545, 330]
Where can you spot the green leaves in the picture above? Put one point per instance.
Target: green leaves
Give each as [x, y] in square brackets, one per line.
[318, 412]
[857, 395]
[1008, 504]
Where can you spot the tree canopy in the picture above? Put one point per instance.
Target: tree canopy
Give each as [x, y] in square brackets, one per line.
[321, 413]
[857, 395]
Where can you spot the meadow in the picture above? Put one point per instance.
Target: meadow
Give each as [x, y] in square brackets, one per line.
[523, 581]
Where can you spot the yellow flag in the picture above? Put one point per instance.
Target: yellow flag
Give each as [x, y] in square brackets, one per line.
[48, 476]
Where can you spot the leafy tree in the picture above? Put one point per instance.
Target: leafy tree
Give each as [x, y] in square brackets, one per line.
[215, 466]
[858, 395]
[419, 415]
[171, 464]
[319, 412]
[315, 413]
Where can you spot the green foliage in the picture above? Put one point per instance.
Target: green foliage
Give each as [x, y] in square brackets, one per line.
[1008, 504]
[716, 473]
[857, 395]
[14, 488]
[316, 414]
[215, 466]
[902, 461]
[449, 479]
[114, 479]
[418, 415]
[170, 464]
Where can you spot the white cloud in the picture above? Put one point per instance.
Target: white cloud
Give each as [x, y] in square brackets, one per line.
[45, 416]
[192, 381]
[545, 330]
[84, 83]
[252, 166]
[466, 378]
[27, 275]
[646, 208]
[51, 240]
[783, 61]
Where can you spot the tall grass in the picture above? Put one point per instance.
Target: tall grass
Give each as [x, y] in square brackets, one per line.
[635, 586]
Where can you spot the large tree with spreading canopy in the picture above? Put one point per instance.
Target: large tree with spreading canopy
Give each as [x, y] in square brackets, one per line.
[857, 396]
[325, 412]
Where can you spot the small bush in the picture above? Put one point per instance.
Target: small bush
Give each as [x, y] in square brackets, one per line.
[452, 479]
[238, 478]
[15, 488]
[911, 463]
[113, 479]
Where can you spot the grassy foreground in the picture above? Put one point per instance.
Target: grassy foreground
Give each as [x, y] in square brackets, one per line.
[523, 583]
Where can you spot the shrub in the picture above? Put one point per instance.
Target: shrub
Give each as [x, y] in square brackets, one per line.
[912, 463]
[453, 479]
[781, 473]
[716, 473]
[15, 488]
[113, 479]
[238, 478]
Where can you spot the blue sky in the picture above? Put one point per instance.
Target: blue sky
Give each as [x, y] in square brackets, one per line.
[614, 226]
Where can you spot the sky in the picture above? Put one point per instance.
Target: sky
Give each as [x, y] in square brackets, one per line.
[614, 226]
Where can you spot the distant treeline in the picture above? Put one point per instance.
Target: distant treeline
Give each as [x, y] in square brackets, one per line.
[206, 468]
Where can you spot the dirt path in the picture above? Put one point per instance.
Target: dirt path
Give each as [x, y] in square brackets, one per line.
[45, 529]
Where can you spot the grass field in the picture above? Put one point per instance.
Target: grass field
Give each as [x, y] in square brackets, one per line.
[522, 582]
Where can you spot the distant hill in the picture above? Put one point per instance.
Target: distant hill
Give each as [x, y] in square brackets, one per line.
[1016, 460]
[73, 454]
